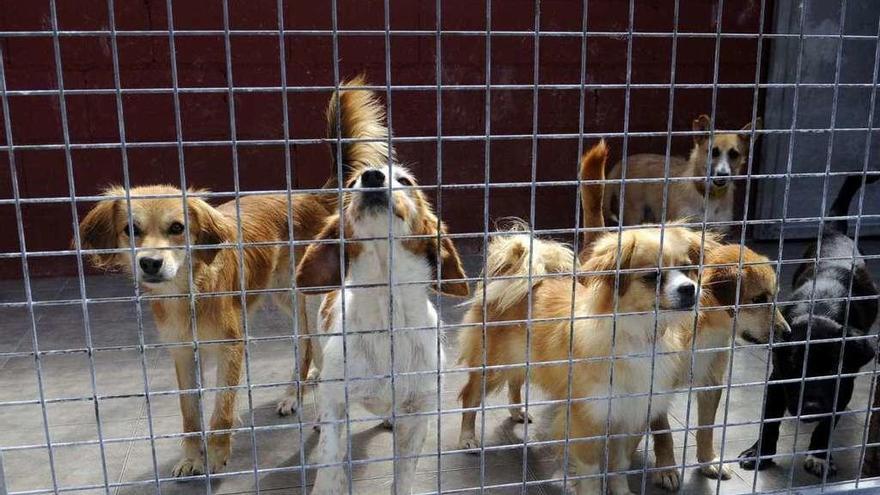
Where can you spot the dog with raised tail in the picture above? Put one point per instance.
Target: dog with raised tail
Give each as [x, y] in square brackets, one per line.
[381, 347]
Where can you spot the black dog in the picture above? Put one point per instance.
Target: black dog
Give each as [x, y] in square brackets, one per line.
[828, 279]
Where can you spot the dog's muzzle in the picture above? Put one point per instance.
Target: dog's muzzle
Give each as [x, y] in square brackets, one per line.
[373, 199]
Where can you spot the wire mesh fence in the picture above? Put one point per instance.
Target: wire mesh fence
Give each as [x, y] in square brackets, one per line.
[688, 305]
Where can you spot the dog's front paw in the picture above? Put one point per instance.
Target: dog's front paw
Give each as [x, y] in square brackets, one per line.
[716, 470]
[219, 450]
[469, 443]
[287, 405]
[817, 466]
[668, 479]
[518, 415]
[748, 459]
[189, 466]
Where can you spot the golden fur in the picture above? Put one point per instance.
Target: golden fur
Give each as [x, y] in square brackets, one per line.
[363, 117]
[214, 269]
[551, 298]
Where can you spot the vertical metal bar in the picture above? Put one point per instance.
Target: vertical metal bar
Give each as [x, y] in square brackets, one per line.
[391, 239]
[487, 171]
[126, 179]
[188, 238]
[818, 250]
[438, 303]
[242, 279]
[616, 297]
[71, 187]
[2, 477]
[334, 19]
[832, 125]
[532, 192]
[25, 270]
[663, 210]
[291, 235]
[566, 446]
[744, 224]
[785, 198]
[868, 140]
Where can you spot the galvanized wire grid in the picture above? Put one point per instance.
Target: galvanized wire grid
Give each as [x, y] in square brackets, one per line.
[583, 138]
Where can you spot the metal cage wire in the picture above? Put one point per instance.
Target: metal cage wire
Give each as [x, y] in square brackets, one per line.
[431, 460]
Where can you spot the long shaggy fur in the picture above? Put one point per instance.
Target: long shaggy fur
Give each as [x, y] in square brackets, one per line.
[357, 113]
[511, 255]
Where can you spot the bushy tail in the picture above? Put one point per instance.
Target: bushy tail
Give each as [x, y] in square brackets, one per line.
[592, 195]
[356, 113]
[840, 207]
[508, 256]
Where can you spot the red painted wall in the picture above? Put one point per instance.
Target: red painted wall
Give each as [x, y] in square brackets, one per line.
[145, 63]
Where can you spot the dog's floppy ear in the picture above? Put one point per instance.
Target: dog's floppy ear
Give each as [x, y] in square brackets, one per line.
[604, 256]
[450, 262]
[212, 228]
[721, 282]
[98, 230]
[701, 124]
[857, 353]
[319, 266]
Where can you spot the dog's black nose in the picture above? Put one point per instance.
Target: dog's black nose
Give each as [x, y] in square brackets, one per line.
[372, 178]
[150, 266]
[686, 295]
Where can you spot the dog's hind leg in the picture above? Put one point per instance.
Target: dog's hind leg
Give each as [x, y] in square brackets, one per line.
[774, 408]
[515, 381]
[471, 396]
[289, 403]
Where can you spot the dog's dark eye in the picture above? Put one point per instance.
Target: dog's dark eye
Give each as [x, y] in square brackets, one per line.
[176, 228]
[651, 277]
[404, 181]
[716, 152]
[134, 230]
[761, 299]
[733, 154]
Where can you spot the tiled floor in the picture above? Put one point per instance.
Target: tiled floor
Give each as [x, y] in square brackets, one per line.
[128, 421]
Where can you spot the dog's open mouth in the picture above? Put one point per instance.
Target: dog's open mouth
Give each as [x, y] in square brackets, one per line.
[720, 182]
[751, 339]
[152, 279]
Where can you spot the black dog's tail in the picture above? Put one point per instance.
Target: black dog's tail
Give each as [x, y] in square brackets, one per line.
[840, 207]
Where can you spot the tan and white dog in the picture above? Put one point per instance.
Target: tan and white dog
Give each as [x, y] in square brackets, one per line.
[555, 329]
[168, 239]
[719, 159]
[378, 296]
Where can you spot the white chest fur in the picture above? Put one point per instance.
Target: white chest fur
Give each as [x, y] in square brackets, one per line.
[387, 330]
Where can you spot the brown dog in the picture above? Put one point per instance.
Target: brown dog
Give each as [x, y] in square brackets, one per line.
[168, 240]
[685, 199]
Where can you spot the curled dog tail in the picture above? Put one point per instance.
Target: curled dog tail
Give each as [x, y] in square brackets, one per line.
[840, 206]
[357, 113]
[509, 257]
[592, 195]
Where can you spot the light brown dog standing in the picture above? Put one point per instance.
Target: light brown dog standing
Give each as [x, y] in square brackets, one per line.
[685, 199]
[161, 264]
